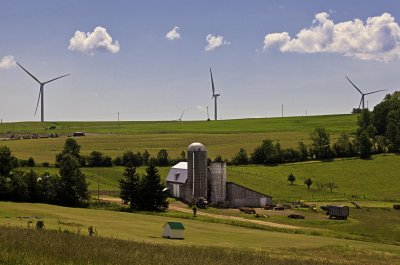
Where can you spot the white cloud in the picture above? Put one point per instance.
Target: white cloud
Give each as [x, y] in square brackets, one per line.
[7, 62]
[173, 34]
[89, 42]
[215, 42]
[377, 39]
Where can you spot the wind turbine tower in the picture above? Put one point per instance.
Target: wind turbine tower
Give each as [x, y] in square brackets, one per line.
[41, 92]
[214, 96]
[362, 101]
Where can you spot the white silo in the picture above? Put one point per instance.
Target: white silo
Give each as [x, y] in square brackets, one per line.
[196, 185]
[218, 183]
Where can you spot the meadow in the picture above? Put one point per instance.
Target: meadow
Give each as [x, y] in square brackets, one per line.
[223, 138]
[214, 243]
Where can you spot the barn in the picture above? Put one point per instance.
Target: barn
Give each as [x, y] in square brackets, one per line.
[174, 230]
[192, 180]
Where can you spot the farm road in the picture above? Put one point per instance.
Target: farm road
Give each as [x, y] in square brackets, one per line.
[179, 207]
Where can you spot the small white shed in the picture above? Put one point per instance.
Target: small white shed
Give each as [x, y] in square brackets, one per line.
[173, 230]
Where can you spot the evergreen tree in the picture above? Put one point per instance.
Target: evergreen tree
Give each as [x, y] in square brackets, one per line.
[241, 158]
[130, 187]
[73, 188]
[7, 161]
[153, 196]
[162, 158]
[70, 147]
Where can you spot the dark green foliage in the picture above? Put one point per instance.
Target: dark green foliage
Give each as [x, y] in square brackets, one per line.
[182, 156]
[130, 187]
[162, 158]
[241, 158]
[393, 136]
[320, 146]
[97, 159]
[364, 145]
[146, 157]
[308, 182]
[73, 186]
[33, 187]
[391, 102]
[117, 161]
[267, 153]
[70, 147]
[303, 151]
[344, 147]
[218, 159]
[7, 161]
[131, 158]
[291, 178]
[152, 195]
[331, 186]
[39, 225]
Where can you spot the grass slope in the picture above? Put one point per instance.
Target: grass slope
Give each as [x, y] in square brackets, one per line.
[148, 228]
[221, 138]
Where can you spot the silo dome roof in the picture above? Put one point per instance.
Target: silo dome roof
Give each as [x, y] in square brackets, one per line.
[196, 147]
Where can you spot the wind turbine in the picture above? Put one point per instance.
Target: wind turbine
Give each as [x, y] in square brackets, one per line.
[180, 119]
[363, 94]
[214, 96]
[41, 91]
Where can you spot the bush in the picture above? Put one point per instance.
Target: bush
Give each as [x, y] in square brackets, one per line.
[39, 225]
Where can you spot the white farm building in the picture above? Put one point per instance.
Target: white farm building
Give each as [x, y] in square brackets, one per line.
[173, 230]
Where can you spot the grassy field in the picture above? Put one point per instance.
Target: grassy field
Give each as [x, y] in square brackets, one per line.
[23, 246]
[148, 229]
[221, 138]
[357, 179]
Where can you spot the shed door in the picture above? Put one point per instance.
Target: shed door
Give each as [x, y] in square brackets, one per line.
[263, 201]
[176, 190]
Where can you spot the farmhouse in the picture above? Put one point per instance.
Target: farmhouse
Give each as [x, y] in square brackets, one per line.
[192, 180]
[173, 230]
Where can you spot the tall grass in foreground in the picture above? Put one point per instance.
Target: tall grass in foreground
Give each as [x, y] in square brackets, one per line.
[24, 246]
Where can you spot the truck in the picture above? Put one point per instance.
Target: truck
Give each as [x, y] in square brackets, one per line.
[338, 212]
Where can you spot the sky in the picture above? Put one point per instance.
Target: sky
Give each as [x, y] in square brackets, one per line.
[150, 60]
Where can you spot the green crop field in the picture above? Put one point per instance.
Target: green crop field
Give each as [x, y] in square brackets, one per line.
[148, 229]
[224, 137]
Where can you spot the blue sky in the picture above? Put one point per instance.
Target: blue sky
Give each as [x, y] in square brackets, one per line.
[146, 76]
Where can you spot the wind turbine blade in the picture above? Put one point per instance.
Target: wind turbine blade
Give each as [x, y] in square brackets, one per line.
[212, 83]
[182, 114]
[37, 80]
[37, 104]
[354, 86]
[56, 78]
[374, 92]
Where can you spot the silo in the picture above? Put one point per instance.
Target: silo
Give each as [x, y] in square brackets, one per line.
[196, 184]
[218, 182]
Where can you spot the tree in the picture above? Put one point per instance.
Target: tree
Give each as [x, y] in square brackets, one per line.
[320, 146]
[393, 136]
[153, 196]
[218, 159]
[267, 153]
[182, 156]
[95, 159]
[70, 147]
[343, 147]
[146, 157]
[364, 145]
[131, 158]
[308, 182]
[303, 151]
[33, 186]
[162, 158]
[73, 188]
[130, 187]
[7, 161]
[331, 186]
[241, 158]
[291, 178]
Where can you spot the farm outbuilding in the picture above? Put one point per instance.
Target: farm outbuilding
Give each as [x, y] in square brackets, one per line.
[174, 230]
[194, 180]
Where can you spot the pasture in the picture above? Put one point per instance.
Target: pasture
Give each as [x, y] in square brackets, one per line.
[147, 229]
[223, 138]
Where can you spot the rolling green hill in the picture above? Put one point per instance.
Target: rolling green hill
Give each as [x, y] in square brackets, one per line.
[221, 138]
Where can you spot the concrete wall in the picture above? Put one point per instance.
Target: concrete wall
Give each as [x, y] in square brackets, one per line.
[217, 181]
[173, 192]
[239, 196]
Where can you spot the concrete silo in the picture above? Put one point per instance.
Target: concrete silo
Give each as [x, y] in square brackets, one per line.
[218, 183]
[196, 185]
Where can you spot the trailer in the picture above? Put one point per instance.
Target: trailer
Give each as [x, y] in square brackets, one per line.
[338, 212]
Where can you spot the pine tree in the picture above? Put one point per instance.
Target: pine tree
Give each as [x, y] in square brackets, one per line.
[153, 196]
[130, 187]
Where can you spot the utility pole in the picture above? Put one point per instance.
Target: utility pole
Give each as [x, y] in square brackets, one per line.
[118, 119]
[98, 187]
[282, 110]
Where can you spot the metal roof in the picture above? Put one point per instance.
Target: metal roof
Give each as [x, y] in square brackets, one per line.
[178, 173]
[175, 225]
[196, 147]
